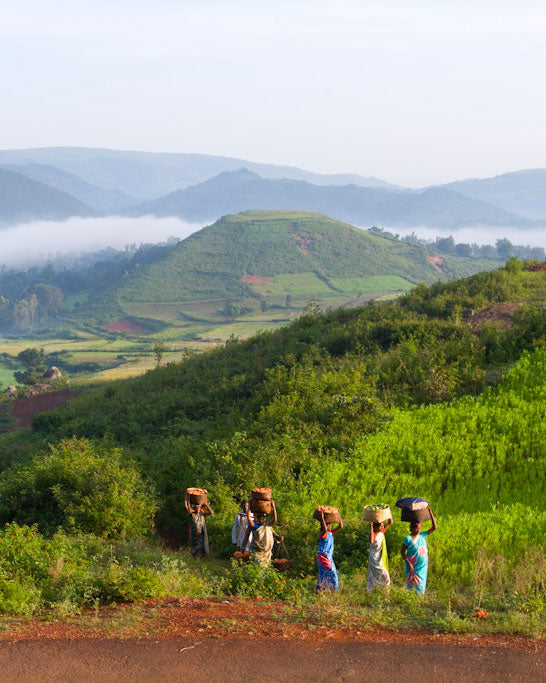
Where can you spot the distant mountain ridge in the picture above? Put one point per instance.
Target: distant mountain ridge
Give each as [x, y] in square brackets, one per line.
[205, 187]
[242, 190]
[98, 198]
[148, 175]
[521, 192]
[24, 199]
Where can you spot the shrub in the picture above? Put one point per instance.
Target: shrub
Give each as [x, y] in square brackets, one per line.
[81, 486]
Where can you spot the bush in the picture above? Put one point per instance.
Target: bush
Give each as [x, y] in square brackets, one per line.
[80, 486]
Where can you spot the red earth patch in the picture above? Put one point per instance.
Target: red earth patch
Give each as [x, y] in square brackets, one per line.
[125, 325]
[302, 243]
[24, 409]
[501, 315]
[435, 262]
[256, 280]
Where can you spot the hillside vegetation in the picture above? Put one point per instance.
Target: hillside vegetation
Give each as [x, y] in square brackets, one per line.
[346, 407]
[240, 256]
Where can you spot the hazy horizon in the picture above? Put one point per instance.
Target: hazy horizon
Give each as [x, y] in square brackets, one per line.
[414, 93]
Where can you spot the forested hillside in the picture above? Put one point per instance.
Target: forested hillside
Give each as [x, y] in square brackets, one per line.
[24, 199]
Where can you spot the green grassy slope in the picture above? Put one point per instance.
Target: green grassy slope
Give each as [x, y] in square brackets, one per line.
[217, 261]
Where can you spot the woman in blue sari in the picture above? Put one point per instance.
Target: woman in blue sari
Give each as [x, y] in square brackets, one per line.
[415, 554]
[327, 572]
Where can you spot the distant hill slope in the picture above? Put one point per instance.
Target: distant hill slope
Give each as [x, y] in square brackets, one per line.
[99, 198]
[258, 253]
[242, 190]
[147, 175]
[522, 192]
[24, 199]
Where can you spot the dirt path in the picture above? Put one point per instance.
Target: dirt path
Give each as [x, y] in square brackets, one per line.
[246, 659]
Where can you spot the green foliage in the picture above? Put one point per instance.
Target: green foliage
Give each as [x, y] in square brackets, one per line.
[252, 581]
[81, 486]
[33, 361]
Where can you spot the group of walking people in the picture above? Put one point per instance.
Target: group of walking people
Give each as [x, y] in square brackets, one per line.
[254, 538]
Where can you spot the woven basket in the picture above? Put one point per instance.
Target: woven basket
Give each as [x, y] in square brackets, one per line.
[260, 507]
[421, 515]
[282, 564]
[197, 496]
[261, 494]
[377, 515]
[331, 514]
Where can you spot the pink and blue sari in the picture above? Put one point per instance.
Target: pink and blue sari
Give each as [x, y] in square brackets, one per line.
[417, 554]
[327, 572]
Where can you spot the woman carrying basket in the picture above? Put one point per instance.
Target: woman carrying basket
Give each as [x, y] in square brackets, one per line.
[378, 563]
[327, 573]
[198, 537]
[260, 537]
[415, 555]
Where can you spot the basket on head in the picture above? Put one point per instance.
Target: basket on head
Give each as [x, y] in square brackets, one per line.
[331, 514]
[197, 496]
[421, 515]
[261, 494]
[377, 513]
[260, 507]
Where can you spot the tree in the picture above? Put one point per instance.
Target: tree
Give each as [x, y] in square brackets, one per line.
[34, 363]
[159, 350]
[446, 245]
[463, 249]
[50, 299]
[504, 248]
[83, 487]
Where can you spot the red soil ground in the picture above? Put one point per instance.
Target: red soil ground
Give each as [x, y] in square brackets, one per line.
[256, 280]
[126, 326]
[24, 409]
[435, 262]
[302, 244]
[246, 640]
[501, 315]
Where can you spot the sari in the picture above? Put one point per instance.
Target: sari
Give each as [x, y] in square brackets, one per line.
[378, 563]
[417, 554]
[327, 573]
[198, 537]
[261, 545]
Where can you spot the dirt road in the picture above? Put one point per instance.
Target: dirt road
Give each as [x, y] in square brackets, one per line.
[247, 659]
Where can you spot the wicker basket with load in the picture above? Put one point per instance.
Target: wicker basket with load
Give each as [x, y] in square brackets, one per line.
[413, 509]
[260, 501]
[281, 559]
[197, 496]
[331, 514]
[377, 512]
[241, 556]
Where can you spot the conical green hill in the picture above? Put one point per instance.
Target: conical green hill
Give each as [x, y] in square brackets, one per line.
[258, 253]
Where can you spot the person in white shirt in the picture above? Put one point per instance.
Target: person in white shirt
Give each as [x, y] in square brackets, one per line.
[240, 527]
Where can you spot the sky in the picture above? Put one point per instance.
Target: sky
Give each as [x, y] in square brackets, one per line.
[416, 92]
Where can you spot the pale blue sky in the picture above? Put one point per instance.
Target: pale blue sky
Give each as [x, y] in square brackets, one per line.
[413, 92]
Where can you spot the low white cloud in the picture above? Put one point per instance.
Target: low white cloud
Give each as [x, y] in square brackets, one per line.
[33, 243]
